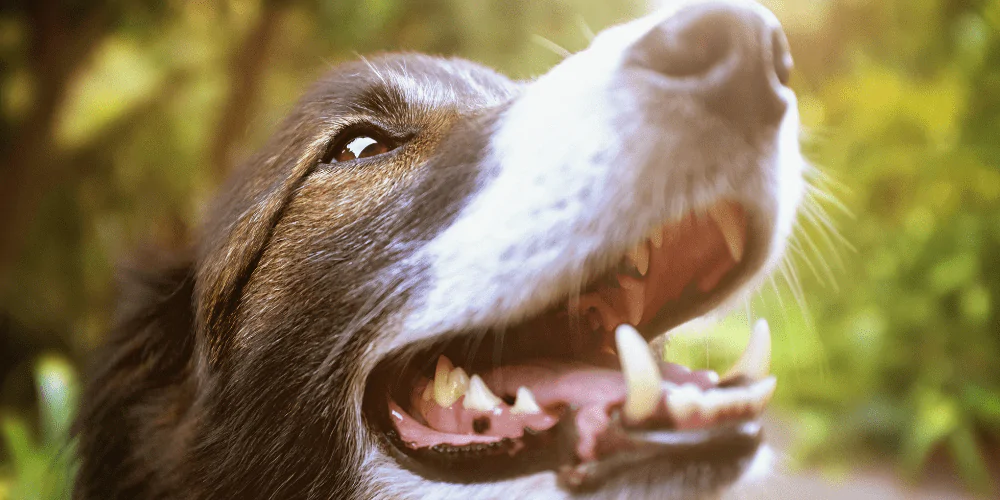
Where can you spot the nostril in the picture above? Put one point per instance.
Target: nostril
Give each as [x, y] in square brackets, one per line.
[689, 46]
[782, 56]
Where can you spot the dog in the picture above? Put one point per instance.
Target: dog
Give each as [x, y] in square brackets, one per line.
[435, 282]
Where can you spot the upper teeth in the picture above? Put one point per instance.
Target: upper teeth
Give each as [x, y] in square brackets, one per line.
[479, 397]
[640, 258]
[642, 375]
[635, 298]
[729, 220]
[656, 237]
[755, 362]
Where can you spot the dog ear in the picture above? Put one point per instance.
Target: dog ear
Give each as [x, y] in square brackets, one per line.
[140, 387]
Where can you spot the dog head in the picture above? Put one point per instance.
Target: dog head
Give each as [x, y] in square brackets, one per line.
[435, 282]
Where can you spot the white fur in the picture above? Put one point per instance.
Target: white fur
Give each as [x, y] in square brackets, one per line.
[581, 174]
[581, 169]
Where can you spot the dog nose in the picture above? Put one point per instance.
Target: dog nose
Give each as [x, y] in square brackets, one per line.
[732, 58]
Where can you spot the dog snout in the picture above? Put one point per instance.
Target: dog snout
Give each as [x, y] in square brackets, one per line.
[732, 58]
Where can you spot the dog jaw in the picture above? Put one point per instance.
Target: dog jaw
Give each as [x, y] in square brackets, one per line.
[584, 161]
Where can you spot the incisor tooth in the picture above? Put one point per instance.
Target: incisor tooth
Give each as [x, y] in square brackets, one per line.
[642, 376]
[713, 402]
[479, 397]
[683, 402]
[755, 363]
[640, 257]
[525, 403]
[450, 383]
[728, 221]
[656, 237]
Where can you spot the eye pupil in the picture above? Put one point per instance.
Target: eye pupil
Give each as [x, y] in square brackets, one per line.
[361, 146]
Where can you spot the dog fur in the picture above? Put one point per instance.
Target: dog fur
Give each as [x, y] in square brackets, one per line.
[238, 370]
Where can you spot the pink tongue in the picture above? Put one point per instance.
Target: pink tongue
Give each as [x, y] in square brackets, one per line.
[592, 391]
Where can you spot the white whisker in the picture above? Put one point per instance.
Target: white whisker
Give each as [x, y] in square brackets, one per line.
[585, 29]
[557, 49]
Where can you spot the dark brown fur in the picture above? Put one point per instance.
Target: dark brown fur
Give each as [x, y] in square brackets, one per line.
[227, 373]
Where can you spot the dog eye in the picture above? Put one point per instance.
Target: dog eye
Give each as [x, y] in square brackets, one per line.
[357, 146]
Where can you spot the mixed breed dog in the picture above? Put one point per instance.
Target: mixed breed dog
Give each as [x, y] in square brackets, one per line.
[435, 282]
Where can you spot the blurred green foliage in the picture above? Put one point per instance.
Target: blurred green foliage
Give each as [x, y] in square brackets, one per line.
[40, 464]
[119, 118]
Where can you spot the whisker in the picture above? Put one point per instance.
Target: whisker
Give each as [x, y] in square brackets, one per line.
[585, 28]
[557, 49]
[827, 230]
[795, 286]
[824, 264]
[796, 248]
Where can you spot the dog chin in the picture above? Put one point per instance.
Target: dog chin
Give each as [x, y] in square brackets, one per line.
[644, 483]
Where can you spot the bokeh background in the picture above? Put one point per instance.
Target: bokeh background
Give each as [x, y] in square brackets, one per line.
[119, 117]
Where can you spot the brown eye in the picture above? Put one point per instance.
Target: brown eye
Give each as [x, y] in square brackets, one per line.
[359, 146]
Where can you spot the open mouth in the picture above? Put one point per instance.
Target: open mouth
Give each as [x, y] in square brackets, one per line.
[577, 389]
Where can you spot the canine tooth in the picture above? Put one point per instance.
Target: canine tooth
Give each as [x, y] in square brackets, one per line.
[642, 376]
[525, 403]
[479, 397]
[635, 298]
[755, 362]
[640, 257]
[656, 237]
[428, 391]
[450, 383]
[728, 222]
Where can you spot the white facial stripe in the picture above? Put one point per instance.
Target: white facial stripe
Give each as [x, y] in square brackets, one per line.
[584, 165]
[581, 166]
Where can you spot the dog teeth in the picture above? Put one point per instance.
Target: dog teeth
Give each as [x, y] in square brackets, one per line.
[688, 401]
[684, 402]
[525, 403]
[656, 237]
[635, 298]
[479, 397]
[428, 391]
[450, 383]
[642, 376]
[755, 362]
[639, 255]
[729, 222]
